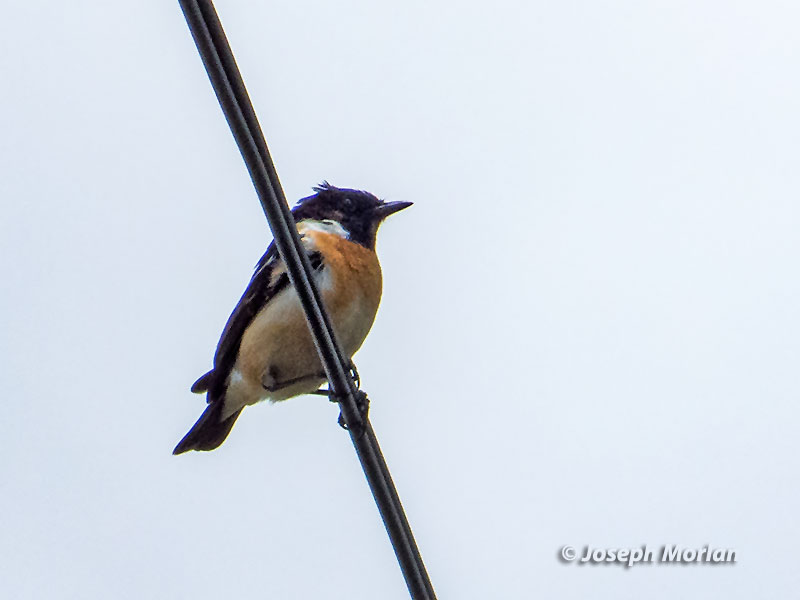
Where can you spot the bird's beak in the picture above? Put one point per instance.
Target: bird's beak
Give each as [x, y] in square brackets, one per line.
[389, 208]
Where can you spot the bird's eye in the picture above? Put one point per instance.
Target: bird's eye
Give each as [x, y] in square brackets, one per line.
[348, 203]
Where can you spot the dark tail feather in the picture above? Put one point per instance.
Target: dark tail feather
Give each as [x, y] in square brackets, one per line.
[202, 384]
[209, 431]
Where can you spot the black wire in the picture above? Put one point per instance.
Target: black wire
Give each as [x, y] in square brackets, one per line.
[232, 95]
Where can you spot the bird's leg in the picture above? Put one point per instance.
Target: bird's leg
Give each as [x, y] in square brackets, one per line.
[356, 382]
[356, 376]
[362, 402]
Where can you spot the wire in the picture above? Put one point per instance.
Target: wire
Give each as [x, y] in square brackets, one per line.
[212, 44]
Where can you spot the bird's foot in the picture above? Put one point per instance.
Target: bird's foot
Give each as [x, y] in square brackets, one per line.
[355, 375]
[362, 403]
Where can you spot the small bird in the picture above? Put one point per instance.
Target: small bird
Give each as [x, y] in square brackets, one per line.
[266, 351]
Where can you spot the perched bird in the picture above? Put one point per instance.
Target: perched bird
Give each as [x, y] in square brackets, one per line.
[266, 351]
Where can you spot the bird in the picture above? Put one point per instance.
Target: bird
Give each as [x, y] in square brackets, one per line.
[266, 351]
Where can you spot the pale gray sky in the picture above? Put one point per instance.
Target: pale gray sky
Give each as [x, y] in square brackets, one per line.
[589, 332]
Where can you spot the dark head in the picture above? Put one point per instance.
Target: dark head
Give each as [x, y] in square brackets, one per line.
[360, 213]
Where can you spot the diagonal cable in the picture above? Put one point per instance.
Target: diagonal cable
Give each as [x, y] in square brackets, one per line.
[232, 95]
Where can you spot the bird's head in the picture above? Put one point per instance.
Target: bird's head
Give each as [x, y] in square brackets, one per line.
[359, 213]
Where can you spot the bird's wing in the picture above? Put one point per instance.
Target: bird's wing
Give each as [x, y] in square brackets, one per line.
[269, 278]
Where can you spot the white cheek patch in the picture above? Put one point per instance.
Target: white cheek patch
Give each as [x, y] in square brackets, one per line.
[325, 226]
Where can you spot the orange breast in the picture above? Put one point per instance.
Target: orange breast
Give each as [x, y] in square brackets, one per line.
[354, 292]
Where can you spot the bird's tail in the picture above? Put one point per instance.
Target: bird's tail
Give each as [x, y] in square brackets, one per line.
[209, 431]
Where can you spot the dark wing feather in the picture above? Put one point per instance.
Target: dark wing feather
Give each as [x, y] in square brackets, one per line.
[269, 279]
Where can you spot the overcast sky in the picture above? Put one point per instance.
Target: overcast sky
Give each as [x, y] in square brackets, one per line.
[589, 333]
